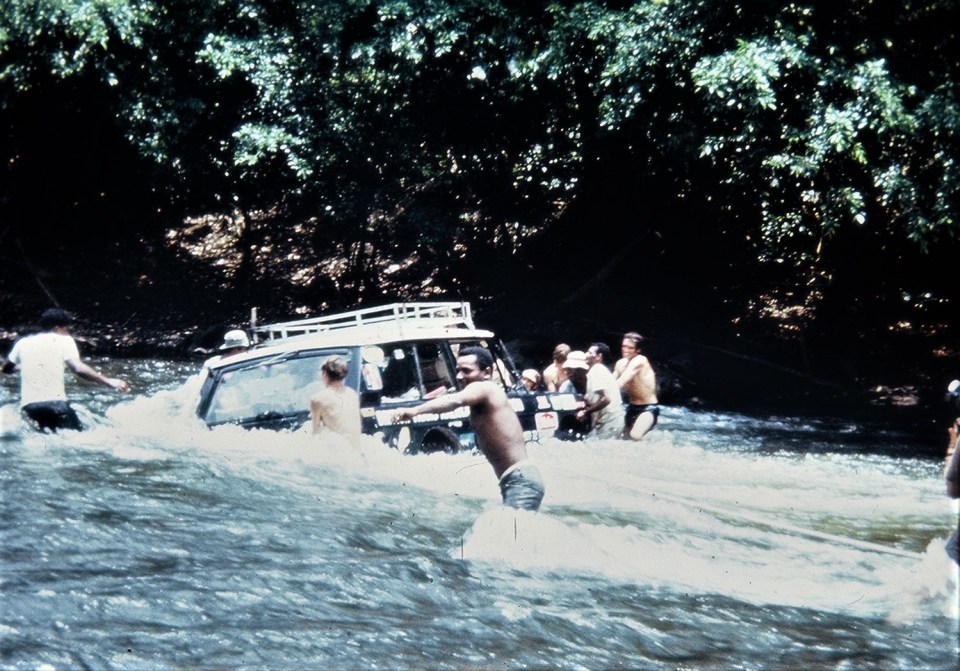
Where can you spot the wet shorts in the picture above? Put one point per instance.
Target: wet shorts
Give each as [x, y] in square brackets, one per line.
[634, 411]
[53, 415]
[522, 486]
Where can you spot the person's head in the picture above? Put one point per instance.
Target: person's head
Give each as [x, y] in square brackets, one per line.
[234, 341]
[474, 364]
[576, 368]
[55, 317]
[576, 360]
[598, 352]
[560, 353]
[630, 347]
[335, 367]
[530, 379]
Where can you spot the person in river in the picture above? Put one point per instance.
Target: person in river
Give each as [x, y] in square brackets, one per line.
[234, 342]
[499, 434]
[530, 378]
[336, 407]
[40, 359]
[951, 474]
[638, 383]
[554, 375]
[603, 404]
[575, 367]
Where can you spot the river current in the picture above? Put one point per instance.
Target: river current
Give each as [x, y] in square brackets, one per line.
[723, 541]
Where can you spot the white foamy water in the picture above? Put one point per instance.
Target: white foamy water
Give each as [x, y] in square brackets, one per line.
[151, 541]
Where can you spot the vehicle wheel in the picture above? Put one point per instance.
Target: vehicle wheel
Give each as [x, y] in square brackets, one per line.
[438, 440]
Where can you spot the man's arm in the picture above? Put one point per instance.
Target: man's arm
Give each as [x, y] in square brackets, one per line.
[602, 402]
[472, 394]
[630, 371]
[80, 369]
[951, 469]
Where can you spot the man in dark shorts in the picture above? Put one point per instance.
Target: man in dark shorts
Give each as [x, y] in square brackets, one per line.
[499, 434]
[635, 410]
[40, 359]
[639, 383]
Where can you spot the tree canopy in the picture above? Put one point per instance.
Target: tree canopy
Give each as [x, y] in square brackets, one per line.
[800, 157]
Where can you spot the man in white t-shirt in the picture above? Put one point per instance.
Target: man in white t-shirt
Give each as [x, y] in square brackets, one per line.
[41, 359]
[603, 401]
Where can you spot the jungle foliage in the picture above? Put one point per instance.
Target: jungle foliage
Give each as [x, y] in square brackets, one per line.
[797, 159]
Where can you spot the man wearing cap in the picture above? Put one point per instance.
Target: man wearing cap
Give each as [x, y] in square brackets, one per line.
[234, 342]
[575, 370]
[530, 379]
[40, 360]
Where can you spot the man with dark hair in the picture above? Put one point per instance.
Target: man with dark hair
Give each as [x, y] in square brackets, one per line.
[336, 407]
[499, 434]
[636, 378]
[40, 359]
[604, 406]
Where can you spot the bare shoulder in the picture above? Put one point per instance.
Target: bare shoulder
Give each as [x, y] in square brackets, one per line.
[482, 391]
[322, 396]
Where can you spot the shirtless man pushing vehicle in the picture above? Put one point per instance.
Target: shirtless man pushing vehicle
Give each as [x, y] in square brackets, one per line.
[639, 383]
[499, 434]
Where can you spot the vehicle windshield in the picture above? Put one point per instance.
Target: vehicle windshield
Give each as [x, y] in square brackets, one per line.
[278, 386]
[393, 373]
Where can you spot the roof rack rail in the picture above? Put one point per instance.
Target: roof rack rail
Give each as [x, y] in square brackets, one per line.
[441, 314]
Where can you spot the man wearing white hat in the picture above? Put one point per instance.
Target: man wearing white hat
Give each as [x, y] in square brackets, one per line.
[234, 342]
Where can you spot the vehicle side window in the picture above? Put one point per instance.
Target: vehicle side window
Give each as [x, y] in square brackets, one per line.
[399, 375]
[412, 371]
[435, 371]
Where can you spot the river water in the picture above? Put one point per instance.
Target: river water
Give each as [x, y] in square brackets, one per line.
[723, 542]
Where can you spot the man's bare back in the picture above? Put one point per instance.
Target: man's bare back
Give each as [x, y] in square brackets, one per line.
[337, 409]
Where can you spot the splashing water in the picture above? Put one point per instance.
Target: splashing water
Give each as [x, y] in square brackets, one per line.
[721, 541]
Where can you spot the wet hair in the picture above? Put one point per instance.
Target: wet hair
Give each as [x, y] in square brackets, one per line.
[561, 351]
[484, 358]
[602, 349]
[52, 317]
[335, 367]
[635, 337]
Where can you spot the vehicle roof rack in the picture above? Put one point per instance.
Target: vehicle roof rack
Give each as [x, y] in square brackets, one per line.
[418, 315]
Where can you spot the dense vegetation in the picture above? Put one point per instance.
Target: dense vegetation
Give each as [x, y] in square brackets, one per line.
[776, 179]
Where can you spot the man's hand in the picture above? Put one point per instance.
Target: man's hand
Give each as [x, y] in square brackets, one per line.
[118, 384]
[404, 414]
